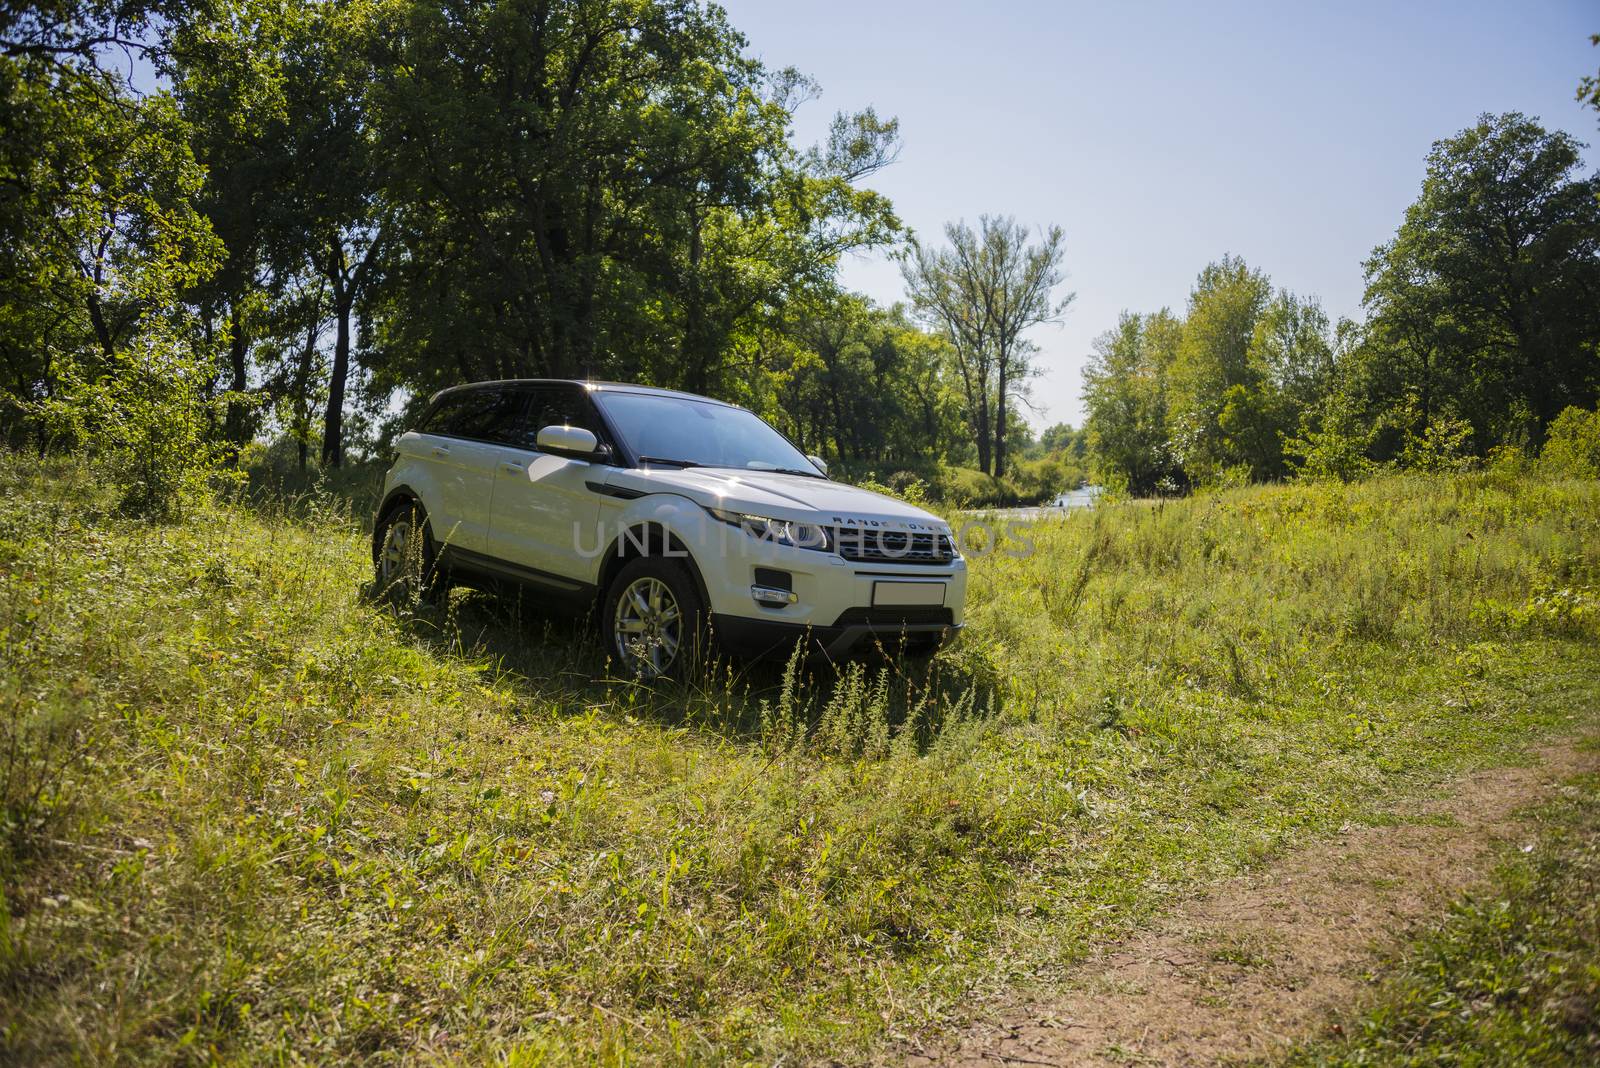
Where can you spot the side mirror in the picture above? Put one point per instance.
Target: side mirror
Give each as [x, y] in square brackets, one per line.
[819, 463]
[573, 441]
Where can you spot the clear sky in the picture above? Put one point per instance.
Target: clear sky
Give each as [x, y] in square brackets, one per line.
[1161, 136]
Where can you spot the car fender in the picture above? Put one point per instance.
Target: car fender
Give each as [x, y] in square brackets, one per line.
[659, 524]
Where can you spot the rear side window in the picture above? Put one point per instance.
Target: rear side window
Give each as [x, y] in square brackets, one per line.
[480, 414]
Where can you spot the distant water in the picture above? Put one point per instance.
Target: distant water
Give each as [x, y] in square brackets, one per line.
[1065, 504]
[1083, 497]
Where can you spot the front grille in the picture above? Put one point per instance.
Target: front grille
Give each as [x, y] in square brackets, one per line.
[893, 546]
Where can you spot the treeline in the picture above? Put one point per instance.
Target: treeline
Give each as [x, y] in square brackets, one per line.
[1482, 328]
[282, 221]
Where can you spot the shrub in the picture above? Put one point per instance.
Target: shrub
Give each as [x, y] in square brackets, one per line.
[1332, 448]
[1445, 444]
[145, 420]
[1572, 445]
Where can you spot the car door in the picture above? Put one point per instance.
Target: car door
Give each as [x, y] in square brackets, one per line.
[463, 441]
[544, 513]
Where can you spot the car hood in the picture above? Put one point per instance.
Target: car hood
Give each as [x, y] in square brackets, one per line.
[779, 496]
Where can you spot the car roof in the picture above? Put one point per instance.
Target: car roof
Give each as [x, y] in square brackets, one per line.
[598, 387]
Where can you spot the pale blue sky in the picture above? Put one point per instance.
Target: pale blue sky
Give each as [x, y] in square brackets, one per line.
[1160, 136]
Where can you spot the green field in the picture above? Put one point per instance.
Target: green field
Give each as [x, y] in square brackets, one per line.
[251, 815]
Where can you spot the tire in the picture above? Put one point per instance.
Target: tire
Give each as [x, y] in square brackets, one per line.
[406, 562]
[653, 620]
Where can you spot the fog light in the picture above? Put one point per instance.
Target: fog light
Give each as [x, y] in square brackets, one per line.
[772, 597]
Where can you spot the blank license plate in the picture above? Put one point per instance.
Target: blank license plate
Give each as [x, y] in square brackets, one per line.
[907, 593]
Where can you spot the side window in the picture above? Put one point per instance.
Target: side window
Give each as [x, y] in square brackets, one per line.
[560, 406]
[480, 414]
[451, 408]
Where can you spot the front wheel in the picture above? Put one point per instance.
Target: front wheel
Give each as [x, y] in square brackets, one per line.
[653, 621]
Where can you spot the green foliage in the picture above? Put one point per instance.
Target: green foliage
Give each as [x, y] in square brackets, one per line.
[859, 386]
[100, 354]
[1483, 322]
[1445, 444]
[1125, 391]
[649, 211]
[1174, 403]
[1333, 442]
[1487, 301]
[1589, 87]
[1572, 446]
[258, 816]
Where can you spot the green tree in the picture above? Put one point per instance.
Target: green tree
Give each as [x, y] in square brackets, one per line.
[1486, 304]
[1215, 388]
[983, 292]
[861, 386]
[100, 237]
[1126, 397]
[600, 187]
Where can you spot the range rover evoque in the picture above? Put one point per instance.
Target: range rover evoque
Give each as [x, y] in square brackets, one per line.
[677, 513]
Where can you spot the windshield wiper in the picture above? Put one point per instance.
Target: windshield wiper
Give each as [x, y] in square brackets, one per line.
[668, 461]
[790, 471]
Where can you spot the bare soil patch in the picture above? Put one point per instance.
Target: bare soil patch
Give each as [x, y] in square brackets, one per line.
[1264, 958]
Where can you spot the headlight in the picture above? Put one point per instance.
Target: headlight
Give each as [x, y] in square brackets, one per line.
[780, 531]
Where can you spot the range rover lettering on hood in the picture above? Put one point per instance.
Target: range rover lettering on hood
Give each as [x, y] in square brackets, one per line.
[893, 524]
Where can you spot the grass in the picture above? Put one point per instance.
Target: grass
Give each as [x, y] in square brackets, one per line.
[1510, 977]
[252, 816]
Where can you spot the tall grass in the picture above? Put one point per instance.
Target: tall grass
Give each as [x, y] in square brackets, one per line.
[252, 814]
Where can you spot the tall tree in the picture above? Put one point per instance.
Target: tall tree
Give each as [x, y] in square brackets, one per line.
[1489, 294]
[1125, 394]
[227, 74]
[1215, 387]
[341, 219]
[600, 187]
[984, 292]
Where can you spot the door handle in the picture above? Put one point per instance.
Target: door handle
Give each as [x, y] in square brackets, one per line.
[512, 469]
[440, 450]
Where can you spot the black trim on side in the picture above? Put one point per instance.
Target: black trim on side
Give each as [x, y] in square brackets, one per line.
[455, 558]
[619, 492]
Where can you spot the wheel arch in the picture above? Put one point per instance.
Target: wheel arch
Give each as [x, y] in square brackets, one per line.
[391, 500]
[648, 538]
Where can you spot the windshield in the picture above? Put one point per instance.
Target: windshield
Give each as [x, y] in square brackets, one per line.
[677, 430]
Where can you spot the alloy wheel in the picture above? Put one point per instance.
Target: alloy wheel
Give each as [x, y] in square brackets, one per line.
[649, 627]
[396, 546]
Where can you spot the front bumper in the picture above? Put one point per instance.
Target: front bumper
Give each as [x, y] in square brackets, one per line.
[855, 629]
[825, 587]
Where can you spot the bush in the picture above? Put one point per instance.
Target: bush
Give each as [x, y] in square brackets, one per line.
[1572, 446]
[1334, 447]
[144, 419]
[1444, 445]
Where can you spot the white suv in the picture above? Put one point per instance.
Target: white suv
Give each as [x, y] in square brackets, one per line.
[679, 513]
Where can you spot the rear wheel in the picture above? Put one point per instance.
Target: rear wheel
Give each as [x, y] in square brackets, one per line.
[406, 556]
[654, 620]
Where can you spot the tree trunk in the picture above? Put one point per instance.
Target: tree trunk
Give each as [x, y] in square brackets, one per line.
[333, 421]
[239, 381]
[302, 390]
[97, 319]
[1000, 423]
[984, 440]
